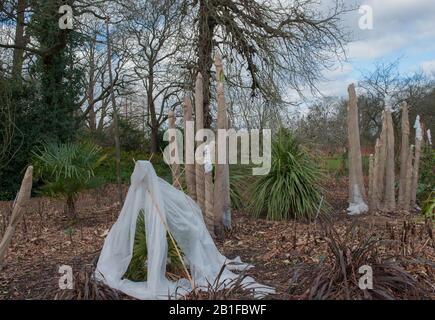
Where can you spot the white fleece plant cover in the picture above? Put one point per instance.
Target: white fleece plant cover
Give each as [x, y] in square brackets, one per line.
[162, 202]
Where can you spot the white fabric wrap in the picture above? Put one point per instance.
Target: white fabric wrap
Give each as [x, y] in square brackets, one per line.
[162, 202]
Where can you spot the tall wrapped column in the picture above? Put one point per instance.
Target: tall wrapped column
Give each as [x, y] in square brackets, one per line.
[404, 152]
[408, 179]
[380, 178]
[357, 194]
[222, 205]
[390, 200]
[415, 172]
[189, 145]
[209, 188]
[374, 202]
[199, 120]
[175, 167]
[371, 180]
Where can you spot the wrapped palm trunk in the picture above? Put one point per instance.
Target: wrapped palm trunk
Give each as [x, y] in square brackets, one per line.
[418, 143]
[390, 201]
[380, 175]
[222, 205]
[199, 119]
[408, 179]
[189, 126]
[374, 201]
[175, 166]
[404, 157]
[209, 189]
[17, 212]
[371, 180]
[357, 204]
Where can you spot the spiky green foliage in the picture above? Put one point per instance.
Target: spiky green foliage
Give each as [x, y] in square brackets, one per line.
[67, 169]
[137, 269]
[426, 182]
[241, 179]
[292, 188]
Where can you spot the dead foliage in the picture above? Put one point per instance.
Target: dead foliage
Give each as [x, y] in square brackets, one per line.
[234, 289]
[337, 276]
[86, 287]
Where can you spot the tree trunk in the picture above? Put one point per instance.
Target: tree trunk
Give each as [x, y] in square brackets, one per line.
[207, 25]
[154, 148]
[71, 208]
[17, 212]
[91, 89]
[404, 152]
[115, 117]
[20, 41]
[199, 168]
[152, 111]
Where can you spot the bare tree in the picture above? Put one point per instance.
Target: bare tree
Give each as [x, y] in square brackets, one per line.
[155, 49]
[270, 41]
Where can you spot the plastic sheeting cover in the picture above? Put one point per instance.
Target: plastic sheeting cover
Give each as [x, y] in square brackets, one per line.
[164, 204]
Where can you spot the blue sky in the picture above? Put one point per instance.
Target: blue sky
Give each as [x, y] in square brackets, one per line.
[402, 29]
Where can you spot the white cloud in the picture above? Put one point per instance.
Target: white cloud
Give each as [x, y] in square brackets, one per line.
[428, 66]
[376, 47]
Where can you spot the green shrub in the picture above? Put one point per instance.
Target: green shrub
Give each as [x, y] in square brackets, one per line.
[292, 188]
[67, 169]
[137, 269]
[107, 170]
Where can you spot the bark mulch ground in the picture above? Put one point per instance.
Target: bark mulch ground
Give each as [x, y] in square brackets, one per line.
[44, 241]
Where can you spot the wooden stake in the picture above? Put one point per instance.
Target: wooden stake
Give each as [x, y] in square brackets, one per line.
[17, 212]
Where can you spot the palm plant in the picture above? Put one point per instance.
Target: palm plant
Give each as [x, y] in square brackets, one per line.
[137, 269]
[292, 187]
[67, 169]
[429, 206]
